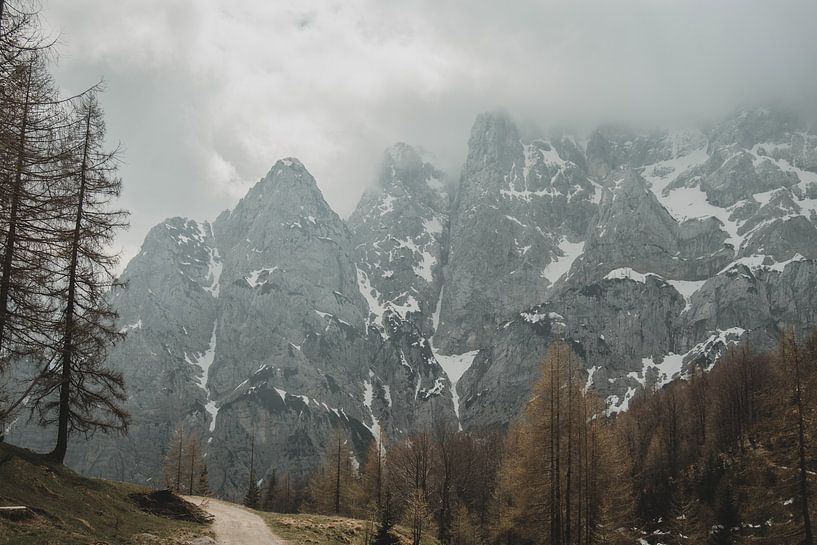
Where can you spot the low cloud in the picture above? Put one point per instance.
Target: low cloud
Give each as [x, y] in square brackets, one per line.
[206, 95]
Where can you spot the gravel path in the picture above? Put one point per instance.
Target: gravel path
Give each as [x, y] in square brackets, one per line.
[234, 525]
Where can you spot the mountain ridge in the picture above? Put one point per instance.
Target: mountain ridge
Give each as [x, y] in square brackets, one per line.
[279, 321]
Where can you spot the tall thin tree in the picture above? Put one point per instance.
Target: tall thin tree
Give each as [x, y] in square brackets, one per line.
[89, 395]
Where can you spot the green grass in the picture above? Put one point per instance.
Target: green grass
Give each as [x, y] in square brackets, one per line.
[307, 529]
[75, 510]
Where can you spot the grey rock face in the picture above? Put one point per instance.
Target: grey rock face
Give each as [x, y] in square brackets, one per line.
[520, 208]
[599, 319]
[288, 274]
[706, 233]
[632, 229]
[295, 356]
[167, 309]
[611, 148]
[399, 231]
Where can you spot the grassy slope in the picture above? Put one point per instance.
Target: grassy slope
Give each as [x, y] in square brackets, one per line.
[75, 509]
[306, 529]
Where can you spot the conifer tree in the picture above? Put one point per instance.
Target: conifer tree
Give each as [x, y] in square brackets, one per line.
[90, 395]
[685, 520]
[385, 535]
[562, 481]
[182, 461]
[372, 476]
[334, 487]
[30, 149]
[792, 359]
[252, 497]
[270, 497]
[203, 485]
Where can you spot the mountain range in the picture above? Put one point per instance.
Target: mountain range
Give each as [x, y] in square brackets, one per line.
[437, 298]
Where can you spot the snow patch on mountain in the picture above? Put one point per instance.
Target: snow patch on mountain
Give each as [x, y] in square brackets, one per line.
[253, 277]
[131, 327]
[204, 362]
[455, 366]
[561, 264]
[372, 298]
[626, 273]
[757, 263]
[687, 288]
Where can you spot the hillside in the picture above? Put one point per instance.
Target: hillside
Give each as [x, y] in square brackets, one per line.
[71, 509]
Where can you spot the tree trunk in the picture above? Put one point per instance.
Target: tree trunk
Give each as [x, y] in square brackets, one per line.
[557, 524]
[552, 417]
[337, 481]
[192, 466]
[179, 463]
[60, 449]
[801, 438]
[568, 491]
[16, 195]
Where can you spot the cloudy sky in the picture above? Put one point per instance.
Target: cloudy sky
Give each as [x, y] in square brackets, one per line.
[206, 95]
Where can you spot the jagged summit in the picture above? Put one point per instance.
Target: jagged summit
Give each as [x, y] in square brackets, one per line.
[288, 183]
[747, 127]
[399, 233]
[406, 165]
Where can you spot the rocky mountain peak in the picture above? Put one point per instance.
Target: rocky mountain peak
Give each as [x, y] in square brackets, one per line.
[404, 170]
[748, 127]
[494, 142]
[288, 197]
[402, 157]
[399, 233]
[288, 186]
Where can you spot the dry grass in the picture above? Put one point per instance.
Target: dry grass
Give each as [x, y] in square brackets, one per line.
[74, 510]
[307, 529]
[316, 529]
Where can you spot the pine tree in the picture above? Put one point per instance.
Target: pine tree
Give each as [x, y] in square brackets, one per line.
[726, 517]
[203, 485]
[333, 487]
[792, 357]
[270, 498]
[410, 466]
[385, 535]
[90, 395]
[252, 497]
[563, 479]
[372, 476]
[182, 461]
[32, 121]
[67, 250]
[685, 521]
[29, 153]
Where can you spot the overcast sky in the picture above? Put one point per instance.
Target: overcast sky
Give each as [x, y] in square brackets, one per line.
[206, 95]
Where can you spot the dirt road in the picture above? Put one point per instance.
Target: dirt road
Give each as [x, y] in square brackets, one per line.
[234, 525]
